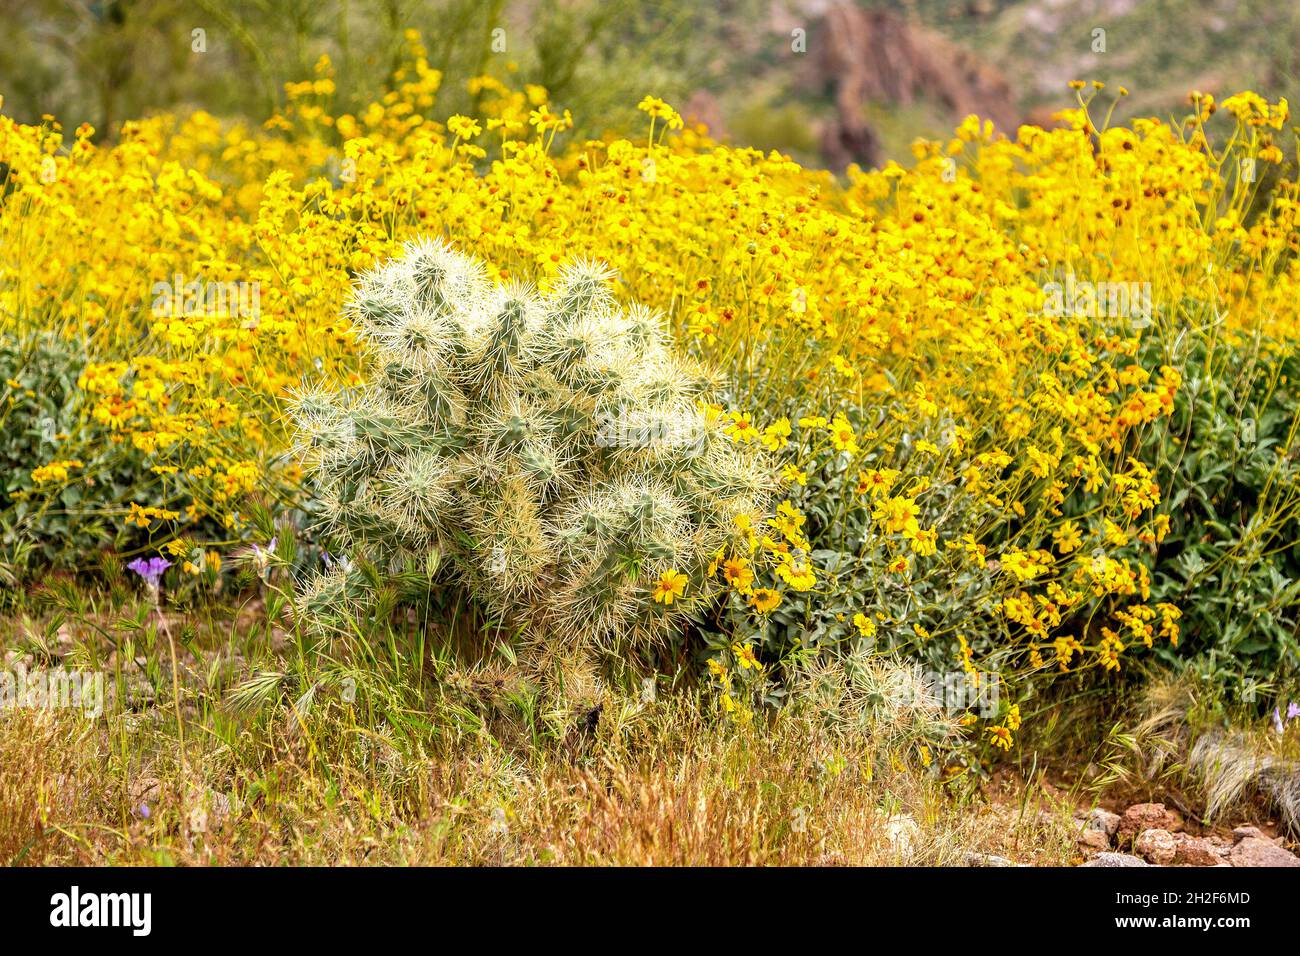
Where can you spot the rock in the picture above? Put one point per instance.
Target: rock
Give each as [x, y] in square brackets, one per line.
[1093, 839]
[1116, 859]
[1256, 851]
[18, 659]
[1197, 851]
[1147, 816]
[1156, 846]
[1097, 827]
[209, 811]
[901, 832]
[1241, 833]
[145, 790]
[971, 858]
[64, 642]
[1104, 820]
[870, 56]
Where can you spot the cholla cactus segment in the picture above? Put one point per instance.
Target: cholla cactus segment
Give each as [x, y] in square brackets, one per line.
[550, 450]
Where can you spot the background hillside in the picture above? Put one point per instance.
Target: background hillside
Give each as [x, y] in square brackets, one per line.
[828, 81]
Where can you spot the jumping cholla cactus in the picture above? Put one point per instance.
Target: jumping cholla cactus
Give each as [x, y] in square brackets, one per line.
[550, 451]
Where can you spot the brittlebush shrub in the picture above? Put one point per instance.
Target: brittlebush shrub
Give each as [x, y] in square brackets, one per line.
[56, 513]
[549, 452]
[1231, 554]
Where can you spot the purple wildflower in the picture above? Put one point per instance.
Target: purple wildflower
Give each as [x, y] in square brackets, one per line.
[343, 563]
[150, 570]
[1292, 710]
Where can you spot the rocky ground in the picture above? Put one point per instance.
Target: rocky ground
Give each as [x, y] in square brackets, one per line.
[1151, 834]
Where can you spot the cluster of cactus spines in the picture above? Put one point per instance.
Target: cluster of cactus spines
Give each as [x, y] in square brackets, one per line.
[549, 450]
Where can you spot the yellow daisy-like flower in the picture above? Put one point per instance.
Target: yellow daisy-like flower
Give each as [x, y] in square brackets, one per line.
[776, 435]
[1000, 737]
[670, 586]
[798, 575]
[791, 475]
[898, 515]
[658, 109]
[842, 435]
[55, 471]
[876, 481]
[899, 565]
[463, 127]
[1067, 537]
[738, 574]
[925, 542]
[745, 656]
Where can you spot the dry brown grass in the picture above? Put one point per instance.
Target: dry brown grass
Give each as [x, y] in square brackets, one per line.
[674, 788]
[437, 765]
[49, 784]
[443, 760]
